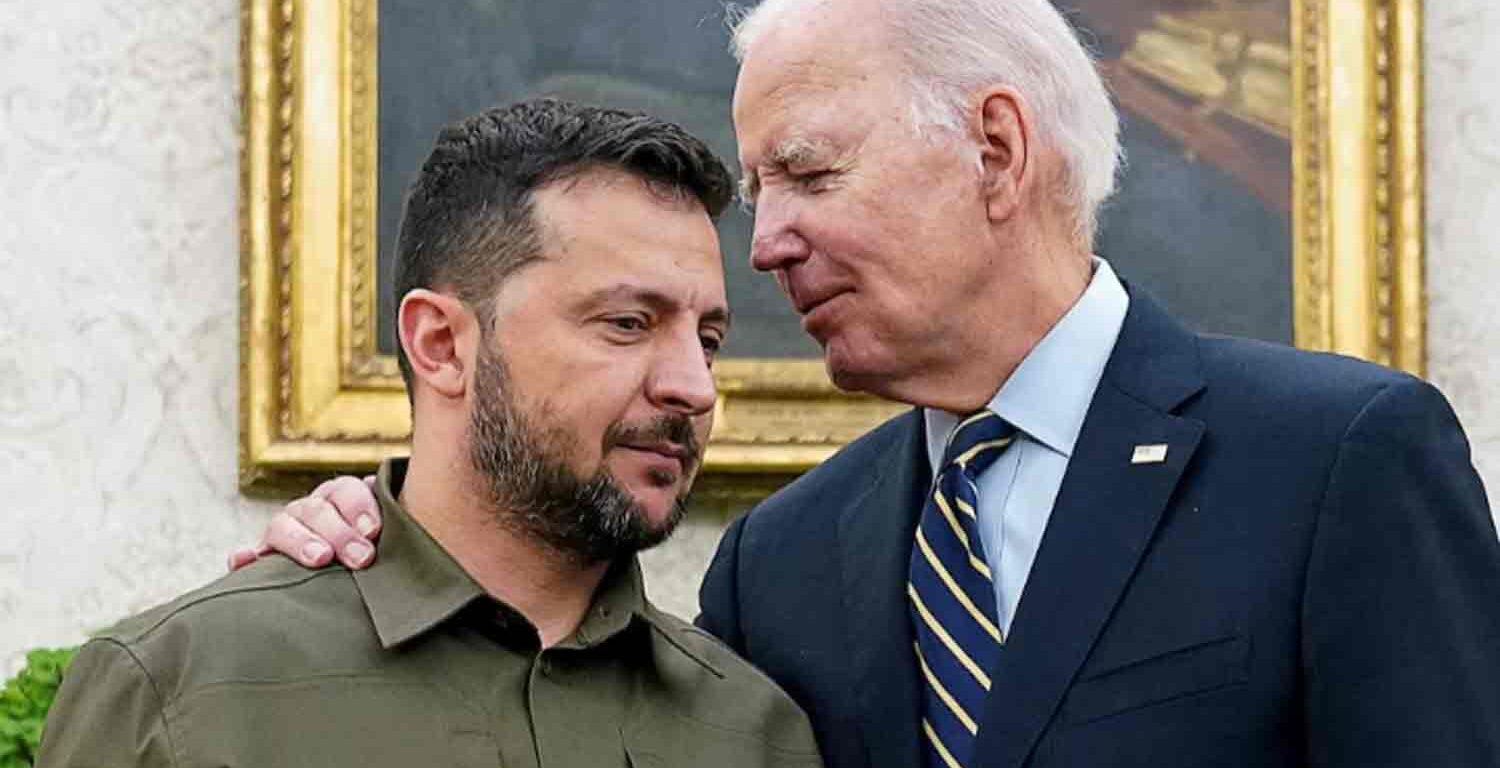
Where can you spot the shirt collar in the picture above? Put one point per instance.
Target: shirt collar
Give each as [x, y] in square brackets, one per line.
[1048, 394]
[414, 584]
[619, 601]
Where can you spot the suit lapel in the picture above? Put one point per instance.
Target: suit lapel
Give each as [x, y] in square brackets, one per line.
[1102, 522]
[875, 534]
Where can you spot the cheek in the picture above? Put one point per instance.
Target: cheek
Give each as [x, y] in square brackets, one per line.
[583, 403]
[888, 268]
[599, 409]
[871, 233]
[703, 428]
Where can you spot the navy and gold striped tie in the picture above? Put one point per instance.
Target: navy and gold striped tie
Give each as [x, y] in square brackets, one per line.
[952, 595]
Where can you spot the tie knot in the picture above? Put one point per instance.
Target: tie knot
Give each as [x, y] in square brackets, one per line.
[977, 441]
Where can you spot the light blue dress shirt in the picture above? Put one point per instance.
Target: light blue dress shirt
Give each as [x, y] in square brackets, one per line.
[1045, 399]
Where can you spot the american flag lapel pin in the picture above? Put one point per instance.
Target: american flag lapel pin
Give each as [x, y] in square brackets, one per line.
[1153, 453]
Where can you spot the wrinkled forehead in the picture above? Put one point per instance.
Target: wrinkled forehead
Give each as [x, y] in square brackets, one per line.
[794, 94]
[772, 81]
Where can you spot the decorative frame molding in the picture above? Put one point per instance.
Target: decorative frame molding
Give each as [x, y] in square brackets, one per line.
[1357, 169]
[317, 398]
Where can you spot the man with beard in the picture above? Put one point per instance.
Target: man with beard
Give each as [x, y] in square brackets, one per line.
[562, 299]
[1098, 538]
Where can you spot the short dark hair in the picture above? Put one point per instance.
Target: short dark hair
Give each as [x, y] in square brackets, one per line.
[468, 221]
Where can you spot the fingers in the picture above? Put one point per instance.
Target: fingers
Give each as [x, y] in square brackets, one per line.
[355, 502]
[287, 535]
[312, 532]
[242, 557]
[339, 519]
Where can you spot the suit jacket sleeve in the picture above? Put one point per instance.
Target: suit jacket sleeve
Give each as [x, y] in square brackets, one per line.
[107, 713]
[1401, 622]
[718, 598]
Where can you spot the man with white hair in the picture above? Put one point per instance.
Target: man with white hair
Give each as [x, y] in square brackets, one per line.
[1099, 538]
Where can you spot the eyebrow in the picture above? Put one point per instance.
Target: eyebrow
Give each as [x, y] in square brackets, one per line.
[793, 150]
[655, 299]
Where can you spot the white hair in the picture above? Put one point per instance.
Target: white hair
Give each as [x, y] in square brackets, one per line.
[955, 47]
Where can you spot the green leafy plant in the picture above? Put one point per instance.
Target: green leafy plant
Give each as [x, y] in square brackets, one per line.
[23, 705]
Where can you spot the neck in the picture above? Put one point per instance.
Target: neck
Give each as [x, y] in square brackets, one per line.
[979, 360]
[551, 590]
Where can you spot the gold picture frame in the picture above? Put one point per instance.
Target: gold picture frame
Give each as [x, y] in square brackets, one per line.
[316, 398]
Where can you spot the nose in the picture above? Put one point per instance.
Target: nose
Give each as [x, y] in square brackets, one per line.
[776, 244]
[682, 380]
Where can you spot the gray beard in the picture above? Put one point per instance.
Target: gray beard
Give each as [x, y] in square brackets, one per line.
[534, 492]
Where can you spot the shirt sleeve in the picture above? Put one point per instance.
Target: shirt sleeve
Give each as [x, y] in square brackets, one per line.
[107, 713]
[1401, 623]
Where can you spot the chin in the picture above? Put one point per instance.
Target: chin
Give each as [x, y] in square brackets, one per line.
[656, 504]
[659, 514]
[854, 372]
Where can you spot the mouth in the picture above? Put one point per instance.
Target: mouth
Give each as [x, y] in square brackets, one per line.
[806, 305]
[668, 451]
[666, 447]
[820, 316]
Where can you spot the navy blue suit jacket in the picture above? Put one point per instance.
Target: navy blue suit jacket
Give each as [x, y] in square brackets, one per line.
[1311, 578]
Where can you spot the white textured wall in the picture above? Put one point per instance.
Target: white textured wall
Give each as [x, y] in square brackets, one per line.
[117, 309]
[118, 270]
[1463, 210]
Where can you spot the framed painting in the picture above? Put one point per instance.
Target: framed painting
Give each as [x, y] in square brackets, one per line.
[1273, 189]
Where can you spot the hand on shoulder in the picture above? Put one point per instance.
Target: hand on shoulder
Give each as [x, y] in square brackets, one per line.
[340, 520]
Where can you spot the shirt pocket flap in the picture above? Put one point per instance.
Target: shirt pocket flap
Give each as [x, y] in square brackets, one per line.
[1158, 679]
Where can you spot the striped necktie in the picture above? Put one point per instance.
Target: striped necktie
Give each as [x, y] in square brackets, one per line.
[952, 595]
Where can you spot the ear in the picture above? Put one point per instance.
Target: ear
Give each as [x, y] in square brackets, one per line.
[1005, 132]
[440, 336]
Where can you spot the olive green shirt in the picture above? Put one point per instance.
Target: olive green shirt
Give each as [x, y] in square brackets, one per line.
[410, 663]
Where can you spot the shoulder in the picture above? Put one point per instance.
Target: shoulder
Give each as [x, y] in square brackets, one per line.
[712, 685]
[243, 625]
[1229, 358]
[1324, 416]
[834, 477]
[254, 595]
[1281, 385]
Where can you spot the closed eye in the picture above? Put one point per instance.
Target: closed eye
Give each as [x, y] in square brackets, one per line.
[628, 323]
[814, 181]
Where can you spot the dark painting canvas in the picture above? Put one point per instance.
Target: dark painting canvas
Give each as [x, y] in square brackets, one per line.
[1202, 220]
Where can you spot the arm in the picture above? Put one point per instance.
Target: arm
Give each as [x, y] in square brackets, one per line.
[718, 598]
[1401, 616]
[107, 713]
[340, 518]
